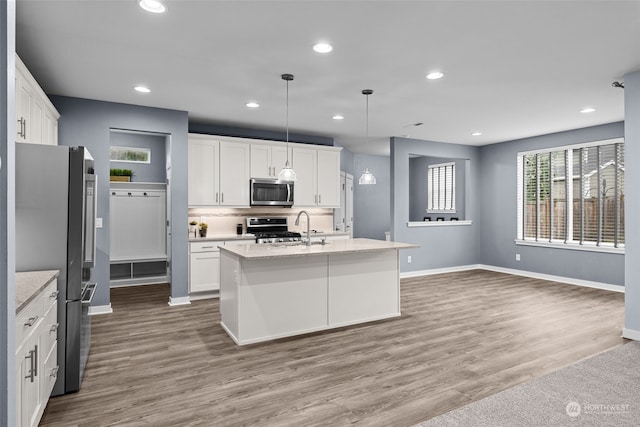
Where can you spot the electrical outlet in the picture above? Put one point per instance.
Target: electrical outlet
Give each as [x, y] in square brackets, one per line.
[409, 259]
[98, 222]
[517, 257]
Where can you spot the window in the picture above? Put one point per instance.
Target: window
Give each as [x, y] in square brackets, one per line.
[441, 188]
[573, 195]
[129, 154]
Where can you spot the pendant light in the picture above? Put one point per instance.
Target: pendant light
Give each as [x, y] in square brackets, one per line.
[287, 173]
[367, 177]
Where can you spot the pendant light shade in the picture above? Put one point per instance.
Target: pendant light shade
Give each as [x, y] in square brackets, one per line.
[287, 173]
[367, 177]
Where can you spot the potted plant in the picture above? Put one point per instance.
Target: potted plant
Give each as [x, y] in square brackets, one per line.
[192, 228]
[203, 229]
[123, 175]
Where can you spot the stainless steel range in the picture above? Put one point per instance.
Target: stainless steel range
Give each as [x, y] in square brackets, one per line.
[271, 230]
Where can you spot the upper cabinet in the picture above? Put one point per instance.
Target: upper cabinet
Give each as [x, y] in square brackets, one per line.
[267, 159]
[36, 117]
[318, 173]
[218, 171]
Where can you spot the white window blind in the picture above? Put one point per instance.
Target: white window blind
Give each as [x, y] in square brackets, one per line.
[441, 188]
[572, 195]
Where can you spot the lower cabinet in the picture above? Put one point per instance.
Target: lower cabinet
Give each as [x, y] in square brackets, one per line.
[36, 355]
[204, 266]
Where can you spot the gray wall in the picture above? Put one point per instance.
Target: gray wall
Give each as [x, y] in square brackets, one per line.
[87, 122]
[153, 172]
[418, 184]
[443, 246]
[498, 207]
[371, 203]
[346, 161]
[7, 214]
[632, 205]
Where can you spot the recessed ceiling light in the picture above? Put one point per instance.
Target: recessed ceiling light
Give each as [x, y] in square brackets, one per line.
[588, 110]
[142, 89]
[153, 6]
[338, 117]
[322, 47]
[435, 75]
[476, 134]
[252, 104]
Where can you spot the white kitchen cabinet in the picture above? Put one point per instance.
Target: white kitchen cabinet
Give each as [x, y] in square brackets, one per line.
[36, 117]
[268, 159]
[36, 355]
[204, 266]
[305, 163]
[218, 171]
[318, 177]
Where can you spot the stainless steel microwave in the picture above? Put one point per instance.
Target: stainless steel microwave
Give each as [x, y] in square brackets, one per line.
[271, 192]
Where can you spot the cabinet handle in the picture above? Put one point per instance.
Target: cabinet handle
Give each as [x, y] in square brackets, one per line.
[221, 197]
[31, 372]
[207, 247]
[35, 363]
[315, 199]
[31, 321]
[319, 199]
[216, 197]
[54, 294]
[54, 372]
[54, 328]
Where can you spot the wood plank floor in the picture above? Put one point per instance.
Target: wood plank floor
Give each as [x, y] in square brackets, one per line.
[461, 337]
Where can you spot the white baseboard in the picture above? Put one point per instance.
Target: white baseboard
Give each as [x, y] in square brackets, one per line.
[549, 277]
[631, 334]
[179, 301]
[100, 309]
[439, 270]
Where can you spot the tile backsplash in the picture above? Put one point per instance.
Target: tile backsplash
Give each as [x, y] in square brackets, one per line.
[224, 220]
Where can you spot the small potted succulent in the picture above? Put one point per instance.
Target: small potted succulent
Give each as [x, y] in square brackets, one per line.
[203, 229]
[192, 228]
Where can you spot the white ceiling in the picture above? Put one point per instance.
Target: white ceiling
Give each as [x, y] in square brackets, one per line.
[512, 68]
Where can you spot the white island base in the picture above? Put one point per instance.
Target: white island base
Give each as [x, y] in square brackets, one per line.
[269, 292]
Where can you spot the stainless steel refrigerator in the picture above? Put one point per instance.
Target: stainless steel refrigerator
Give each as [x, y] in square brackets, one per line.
[55, 229]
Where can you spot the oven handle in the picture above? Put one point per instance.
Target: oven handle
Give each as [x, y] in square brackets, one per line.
[88, 293]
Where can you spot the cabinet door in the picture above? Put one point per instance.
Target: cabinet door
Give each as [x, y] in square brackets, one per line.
[305, 188]
[348, 207]
[328, 179]
[261, 161]
[204, 271]
[49, 128]
[27, 361]
[35, 130]
[234, 173]
[24, 101]
[203, 160]
[279, 158]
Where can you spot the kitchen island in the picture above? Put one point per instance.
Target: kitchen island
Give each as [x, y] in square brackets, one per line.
[272, 291]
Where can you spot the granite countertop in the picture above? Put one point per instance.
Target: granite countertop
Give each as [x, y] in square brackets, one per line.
[29, 283]
[252, 251]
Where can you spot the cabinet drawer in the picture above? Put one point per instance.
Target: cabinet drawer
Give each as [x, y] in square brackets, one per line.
[209, 246]
[50, 328]
[50, 295]
[29, 319]
[50, 371]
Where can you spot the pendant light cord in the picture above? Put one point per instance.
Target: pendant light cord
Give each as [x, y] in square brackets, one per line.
[287, 122]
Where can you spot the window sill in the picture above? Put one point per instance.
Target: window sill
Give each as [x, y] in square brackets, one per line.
[437, 223]
[571, 247]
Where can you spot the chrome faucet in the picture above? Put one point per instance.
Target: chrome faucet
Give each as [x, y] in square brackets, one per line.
[308, 241]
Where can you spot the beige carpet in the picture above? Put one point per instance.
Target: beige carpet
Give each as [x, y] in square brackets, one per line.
[603, 390]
